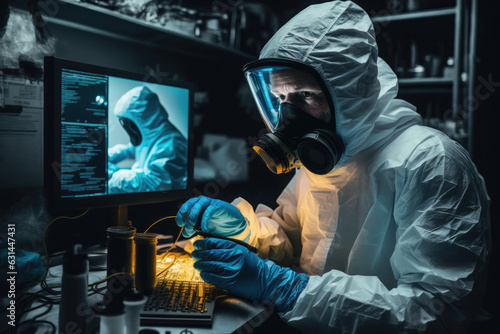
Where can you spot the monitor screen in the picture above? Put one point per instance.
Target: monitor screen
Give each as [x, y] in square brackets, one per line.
[112, 138]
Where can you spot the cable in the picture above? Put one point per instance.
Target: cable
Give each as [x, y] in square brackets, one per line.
[92, 285]
[175, 242]
[38, 322]
[164, 271]
[46, 301]
[43, 283]
[26, 299]
[156, 222]
[178, 236]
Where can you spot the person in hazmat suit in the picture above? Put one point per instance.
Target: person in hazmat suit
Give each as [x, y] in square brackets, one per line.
[156, 145]
[385, 223]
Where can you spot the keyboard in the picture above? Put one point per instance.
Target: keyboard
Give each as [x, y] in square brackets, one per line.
[181, 297]
[178, 303]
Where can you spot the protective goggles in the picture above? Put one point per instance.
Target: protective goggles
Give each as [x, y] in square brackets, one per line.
[264, 75]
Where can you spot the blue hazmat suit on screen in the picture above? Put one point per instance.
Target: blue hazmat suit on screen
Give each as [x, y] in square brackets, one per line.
[394, 238]
[156, 145]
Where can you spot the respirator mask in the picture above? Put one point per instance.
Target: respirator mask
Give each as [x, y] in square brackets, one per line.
[299, 114]
[132, 130]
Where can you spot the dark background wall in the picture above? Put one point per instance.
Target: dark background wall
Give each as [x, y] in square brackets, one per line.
[487, 119]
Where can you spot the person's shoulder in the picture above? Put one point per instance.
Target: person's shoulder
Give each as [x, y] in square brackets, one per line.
[419, 140]
[429, 148]
[421, 145]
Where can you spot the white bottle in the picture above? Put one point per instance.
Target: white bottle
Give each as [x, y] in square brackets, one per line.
[112, 321]
[134, 304]
[74, 304]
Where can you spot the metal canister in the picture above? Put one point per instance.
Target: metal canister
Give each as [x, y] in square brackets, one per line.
[145, 262]
[120, 263]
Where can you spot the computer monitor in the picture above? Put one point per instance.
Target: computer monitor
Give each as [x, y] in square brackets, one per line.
[112, 139]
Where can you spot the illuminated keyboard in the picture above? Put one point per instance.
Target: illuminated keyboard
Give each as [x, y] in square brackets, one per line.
[179, 303]
[181, 297]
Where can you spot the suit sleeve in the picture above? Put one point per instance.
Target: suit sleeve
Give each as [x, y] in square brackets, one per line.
[442, 215]
[275, 233]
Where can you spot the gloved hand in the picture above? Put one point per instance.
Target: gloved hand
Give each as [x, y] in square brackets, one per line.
[231, 267]
[217, 217]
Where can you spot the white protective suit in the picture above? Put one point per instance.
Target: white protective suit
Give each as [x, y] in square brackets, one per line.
[160, 158]
[396, 237]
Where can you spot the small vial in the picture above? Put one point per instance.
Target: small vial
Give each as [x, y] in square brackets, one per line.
[145, 262]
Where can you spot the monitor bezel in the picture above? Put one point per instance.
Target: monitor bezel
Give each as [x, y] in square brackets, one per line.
[52, 142]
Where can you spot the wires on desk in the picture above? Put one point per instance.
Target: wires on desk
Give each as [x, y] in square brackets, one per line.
[47, 297]
[159, 220]
[176, 239]
[94, 287]
[165, 256]
[24, 304]
[43, 283]
[41, 303]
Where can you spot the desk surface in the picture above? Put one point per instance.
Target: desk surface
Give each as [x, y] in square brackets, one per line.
[231, 314]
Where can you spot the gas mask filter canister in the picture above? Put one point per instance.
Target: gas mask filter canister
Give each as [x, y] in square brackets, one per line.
[304, 141]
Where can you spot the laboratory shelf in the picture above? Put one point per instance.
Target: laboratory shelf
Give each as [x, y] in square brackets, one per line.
[414, 15]
[425, 81]
[416, 36]
[104, 21]
[425, 86]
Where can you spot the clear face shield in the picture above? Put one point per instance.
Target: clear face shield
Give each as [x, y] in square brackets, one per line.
[298, 112]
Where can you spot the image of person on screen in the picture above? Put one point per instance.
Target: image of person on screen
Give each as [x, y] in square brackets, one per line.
[158, 148]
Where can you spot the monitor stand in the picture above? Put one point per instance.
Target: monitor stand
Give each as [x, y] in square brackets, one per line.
[119, 215]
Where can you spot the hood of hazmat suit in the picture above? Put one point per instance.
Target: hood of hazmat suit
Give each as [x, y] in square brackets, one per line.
[160, 150]
[396, 237]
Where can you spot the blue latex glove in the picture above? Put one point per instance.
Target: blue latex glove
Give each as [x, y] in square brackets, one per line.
[231, 267]
[217, 217]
